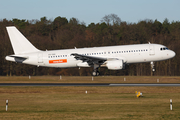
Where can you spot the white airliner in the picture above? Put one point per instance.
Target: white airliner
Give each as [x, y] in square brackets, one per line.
[112, 57]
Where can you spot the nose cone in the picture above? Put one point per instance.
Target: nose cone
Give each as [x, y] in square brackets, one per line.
[172, 54]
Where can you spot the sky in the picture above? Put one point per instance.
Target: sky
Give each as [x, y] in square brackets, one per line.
[91, 11]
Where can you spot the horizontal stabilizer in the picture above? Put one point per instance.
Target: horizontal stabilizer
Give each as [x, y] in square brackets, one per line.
[16, 58]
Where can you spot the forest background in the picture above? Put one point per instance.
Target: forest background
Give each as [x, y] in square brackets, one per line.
[61, 33]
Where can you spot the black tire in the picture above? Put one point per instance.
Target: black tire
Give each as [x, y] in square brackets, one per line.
[97, 73]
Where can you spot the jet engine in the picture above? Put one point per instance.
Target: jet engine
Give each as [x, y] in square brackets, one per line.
[115, 65]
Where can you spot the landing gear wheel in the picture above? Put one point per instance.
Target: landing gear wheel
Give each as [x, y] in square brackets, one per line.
[95, 73]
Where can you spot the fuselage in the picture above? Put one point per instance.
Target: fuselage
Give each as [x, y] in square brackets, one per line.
[128, 53]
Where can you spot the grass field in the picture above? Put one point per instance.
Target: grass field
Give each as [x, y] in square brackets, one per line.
[72, 103]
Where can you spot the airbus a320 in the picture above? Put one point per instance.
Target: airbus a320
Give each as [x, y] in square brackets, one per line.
[112, 57]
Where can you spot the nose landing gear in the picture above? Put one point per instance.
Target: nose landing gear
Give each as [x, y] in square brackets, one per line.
[152, 68]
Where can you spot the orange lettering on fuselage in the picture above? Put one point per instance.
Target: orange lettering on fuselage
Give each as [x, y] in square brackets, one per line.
[58, 61]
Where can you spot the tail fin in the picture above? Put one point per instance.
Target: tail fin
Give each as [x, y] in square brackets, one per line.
[19, 43]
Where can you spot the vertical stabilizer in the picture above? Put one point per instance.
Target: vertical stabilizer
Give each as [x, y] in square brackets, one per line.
[19, 43]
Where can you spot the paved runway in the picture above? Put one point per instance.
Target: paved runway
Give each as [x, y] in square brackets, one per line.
[93, 84]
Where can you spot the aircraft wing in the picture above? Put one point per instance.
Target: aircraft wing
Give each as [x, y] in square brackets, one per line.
[91, 60]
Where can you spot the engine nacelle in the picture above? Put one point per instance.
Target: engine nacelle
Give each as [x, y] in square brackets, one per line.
[115, 65]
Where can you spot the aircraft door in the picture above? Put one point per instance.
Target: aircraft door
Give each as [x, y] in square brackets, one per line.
[151, 50]
[40, 57]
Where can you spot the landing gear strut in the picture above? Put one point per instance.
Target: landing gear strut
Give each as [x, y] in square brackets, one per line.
[152, 67]
[95, 71]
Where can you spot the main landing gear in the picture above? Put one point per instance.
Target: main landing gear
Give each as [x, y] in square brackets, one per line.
[96, 72]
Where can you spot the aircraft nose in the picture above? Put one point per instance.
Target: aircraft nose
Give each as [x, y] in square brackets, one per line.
[173, 54]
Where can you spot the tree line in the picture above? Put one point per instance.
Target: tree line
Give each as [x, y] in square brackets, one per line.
[60, 33]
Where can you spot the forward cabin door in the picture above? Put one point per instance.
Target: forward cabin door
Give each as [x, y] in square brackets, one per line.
[151, 50]
[40, 57]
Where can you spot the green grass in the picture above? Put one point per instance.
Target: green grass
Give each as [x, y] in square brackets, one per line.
[100, 103]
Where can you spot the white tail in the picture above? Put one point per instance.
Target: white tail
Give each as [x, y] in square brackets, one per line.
[19, 43]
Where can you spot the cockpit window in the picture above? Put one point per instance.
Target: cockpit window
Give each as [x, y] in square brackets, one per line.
[164, 48]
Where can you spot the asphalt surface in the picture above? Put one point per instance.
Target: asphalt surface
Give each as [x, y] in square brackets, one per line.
[93, 84]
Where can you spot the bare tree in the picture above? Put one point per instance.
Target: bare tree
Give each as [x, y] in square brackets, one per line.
[111, 19]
